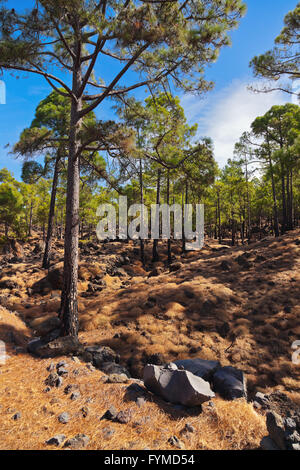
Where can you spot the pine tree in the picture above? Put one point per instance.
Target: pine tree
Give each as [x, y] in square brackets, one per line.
[160, 39]
[283, 61]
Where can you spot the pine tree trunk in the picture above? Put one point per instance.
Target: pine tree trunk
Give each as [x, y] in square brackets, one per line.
[47, 253]
[248, 208]
[284, 219]
[232, 231]
[219, 219]
[155, 256]
[289, 192]
[168, 203]
[61, 223]
[291, 215]
[275, 208]
[30, 219]
[142, 245]
[186, 202]
[69, 305]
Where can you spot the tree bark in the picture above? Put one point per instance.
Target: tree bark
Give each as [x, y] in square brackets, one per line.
[275, 208]
[291, 201]
[49, 239]
[289, 191]
[248, 207]
[69, 305]
[186, 202]
[284, 218]
[155, 256]
[219, 218]
[30, 219]
[142, 244]
[168, 203]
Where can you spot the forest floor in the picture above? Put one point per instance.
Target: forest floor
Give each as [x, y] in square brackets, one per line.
[237, 305]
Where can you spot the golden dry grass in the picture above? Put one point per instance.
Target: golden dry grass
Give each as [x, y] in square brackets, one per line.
[21, 390]
[177, 315]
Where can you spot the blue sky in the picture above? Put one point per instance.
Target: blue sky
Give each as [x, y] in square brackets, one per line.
[223, 114]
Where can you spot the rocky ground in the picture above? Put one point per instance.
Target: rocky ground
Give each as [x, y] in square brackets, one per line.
[239, 306]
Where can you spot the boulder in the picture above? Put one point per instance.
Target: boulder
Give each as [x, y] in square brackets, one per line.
[56, 440]
[101, 354]
[275, 426]
[284, 433]
[78, 442]
[175, 442]
[75, 395]
[52, 380]
[230, 383]
[177, 386]
[261, 401]
[124, 417]
[61, 346]
[64, 418]
[55, 277]
[117, 379]
[267, 444]
[53, 281]
[111, 368]
[110, 414]
[199, 367]
[46, 326]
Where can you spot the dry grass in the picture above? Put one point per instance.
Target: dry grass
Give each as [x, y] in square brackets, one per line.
[21, 390]
[177, 315]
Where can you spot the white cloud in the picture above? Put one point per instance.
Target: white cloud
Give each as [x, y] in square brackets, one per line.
[226, 114]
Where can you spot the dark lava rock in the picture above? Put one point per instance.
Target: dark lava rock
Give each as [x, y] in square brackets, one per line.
[110, 414]
[230, 383]
[71, 388]
[101, 354]
[64, 418]
[175, 442]
[53, 380]
[199, 367]
[56, 440]
[78, 442]
[75, 396]
[123, 417]
[177, 386]
[61, 346]
[111, 368]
